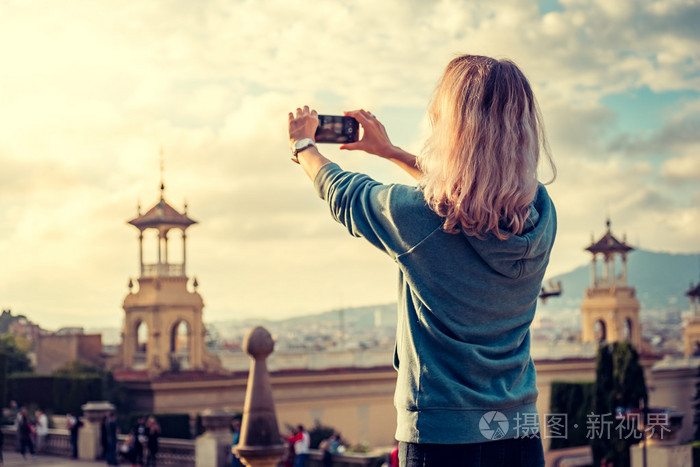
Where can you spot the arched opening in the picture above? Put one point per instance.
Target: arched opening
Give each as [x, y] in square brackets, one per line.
[599, 331]
[141, 333]
[180, 344]
[627, 330]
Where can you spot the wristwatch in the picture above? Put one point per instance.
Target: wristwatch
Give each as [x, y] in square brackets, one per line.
[299, 146]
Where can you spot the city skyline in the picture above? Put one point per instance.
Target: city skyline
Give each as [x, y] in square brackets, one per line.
[92, 92]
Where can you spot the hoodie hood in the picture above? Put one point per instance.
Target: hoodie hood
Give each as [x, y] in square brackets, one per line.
[525, 254]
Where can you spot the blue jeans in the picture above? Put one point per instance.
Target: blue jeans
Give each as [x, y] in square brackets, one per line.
[300, 460]
[517, 452]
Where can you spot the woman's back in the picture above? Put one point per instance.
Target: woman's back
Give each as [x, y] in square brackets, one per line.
[471, 243]
[466, 303]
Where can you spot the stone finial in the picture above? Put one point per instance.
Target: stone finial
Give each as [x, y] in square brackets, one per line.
[258, 343]
[216, 420]
[94, 411]
[260, 444]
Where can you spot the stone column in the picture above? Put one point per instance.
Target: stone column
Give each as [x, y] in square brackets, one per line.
[260, 444]
[89, 439]
[213, 447]
[141, 251]
[184, 253]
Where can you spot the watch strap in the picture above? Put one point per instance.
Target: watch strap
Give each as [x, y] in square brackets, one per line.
[299, 146]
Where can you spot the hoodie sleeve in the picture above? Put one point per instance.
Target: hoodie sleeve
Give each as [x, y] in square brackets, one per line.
[362, 205]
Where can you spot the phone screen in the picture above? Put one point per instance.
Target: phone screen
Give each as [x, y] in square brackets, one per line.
[337, 129]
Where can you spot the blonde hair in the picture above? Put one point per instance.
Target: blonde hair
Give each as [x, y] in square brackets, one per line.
[480, 163]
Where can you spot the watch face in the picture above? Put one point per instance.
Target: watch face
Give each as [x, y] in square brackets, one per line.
[303, 142]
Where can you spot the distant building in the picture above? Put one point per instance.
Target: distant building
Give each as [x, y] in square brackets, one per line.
[691, 334]
[163, 329]
[55, 350]
[22, 327]
[610, 308]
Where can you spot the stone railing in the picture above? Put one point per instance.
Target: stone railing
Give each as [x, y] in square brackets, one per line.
[171, 451]
[163, 270]
[57, 443]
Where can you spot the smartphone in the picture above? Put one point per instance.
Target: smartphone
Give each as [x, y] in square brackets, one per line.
[337, 129]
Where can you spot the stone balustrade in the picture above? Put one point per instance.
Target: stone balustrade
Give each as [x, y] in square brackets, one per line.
[176, 452]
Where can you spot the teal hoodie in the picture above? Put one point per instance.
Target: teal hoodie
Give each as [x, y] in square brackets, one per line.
[465, 305]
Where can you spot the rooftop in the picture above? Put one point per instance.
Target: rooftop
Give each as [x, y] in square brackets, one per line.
[609, 244]
[162, 215]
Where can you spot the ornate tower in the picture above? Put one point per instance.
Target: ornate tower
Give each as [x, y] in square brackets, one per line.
[691, 335]
[610, 309]
[163, 328]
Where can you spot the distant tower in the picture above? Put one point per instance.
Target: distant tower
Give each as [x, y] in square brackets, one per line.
[610, 309]
[163, 328]
[691, 335]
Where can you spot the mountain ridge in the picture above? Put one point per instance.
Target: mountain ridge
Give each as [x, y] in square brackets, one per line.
[655, 290]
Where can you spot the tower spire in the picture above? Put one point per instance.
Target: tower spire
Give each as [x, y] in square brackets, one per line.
[162, 170]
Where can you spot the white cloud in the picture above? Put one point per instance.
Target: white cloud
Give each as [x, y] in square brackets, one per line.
[683, 168]
[92, 91]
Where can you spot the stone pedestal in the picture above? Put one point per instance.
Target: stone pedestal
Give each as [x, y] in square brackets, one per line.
[260, 444]
[213, 448]
[89, 436]
[662, 455]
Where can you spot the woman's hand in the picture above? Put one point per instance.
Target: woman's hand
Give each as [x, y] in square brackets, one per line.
[374, 138]
[376, 141]
[302, 125]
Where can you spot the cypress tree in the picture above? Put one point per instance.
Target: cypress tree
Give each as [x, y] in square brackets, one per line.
[619, 385]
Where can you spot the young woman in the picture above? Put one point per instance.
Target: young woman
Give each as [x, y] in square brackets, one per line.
[471, 242]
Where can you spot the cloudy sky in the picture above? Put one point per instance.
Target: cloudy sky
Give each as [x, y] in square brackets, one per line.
[91, 91]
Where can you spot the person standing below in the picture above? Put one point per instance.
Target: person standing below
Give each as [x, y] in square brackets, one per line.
[42, 430]
[334, 447]
[235, 437]
[300, 441]
[471, 243]
[127, 450]
[153, 433]
[15, 409]
[73, 423]
[25, 431]
[2, 444]
[103, 437]
[140, 440]
[111, 439]
[394, 456]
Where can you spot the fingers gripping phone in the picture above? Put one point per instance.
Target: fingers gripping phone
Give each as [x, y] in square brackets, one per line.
[337, 129]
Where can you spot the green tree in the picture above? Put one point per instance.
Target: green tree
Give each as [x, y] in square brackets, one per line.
[619, 387]
[112, 390]
[17, 358]
[77, 368]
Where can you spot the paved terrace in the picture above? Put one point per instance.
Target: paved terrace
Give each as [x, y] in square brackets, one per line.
[13, 459]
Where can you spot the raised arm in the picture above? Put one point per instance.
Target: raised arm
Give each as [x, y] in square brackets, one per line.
[376, 141]
[303, 125]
